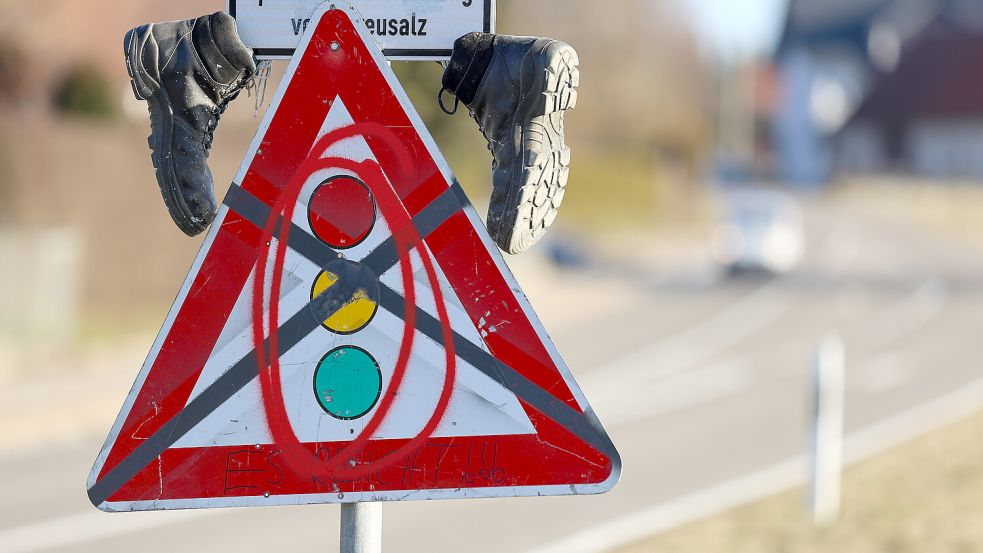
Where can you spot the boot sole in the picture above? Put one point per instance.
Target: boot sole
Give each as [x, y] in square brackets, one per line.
[145, 88]
[540, 170]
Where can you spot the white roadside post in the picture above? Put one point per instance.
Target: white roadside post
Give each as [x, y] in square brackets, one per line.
[361, 528]
[827, 446]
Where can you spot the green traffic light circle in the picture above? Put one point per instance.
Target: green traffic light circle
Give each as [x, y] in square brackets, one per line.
[347, 383]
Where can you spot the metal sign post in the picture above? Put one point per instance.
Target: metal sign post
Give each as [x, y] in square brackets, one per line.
[361, 528]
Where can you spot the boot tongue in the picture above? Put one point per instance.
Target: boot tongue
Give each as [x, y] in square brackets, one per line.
[221, 50]
[470, 60]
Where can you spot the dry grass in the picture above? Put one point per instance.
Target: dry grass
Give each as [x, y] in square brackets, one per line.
[951, 207]
[925, 497]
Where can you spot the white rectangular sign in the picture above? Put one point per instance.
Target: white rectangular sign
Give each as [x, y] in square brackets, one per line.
[405, 29]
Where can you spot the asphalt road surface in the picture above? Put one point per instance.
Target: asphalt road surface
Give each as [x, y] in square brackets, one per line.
[699, 379]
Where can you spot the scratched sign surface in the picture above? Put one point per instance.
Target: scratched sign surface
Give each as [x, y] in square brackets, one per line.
[348, 332]
[405, 29]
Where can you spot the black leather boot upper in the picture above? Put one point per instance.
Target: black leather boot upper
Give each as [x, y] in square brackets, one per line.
[188, 71]
[517, 89]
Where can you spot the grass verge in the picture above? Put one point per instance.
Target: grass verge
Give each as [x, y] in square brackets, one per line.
[926, 496]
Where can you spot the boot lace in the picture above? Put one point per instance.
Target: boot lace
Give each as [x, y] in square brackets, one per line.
[255, 82]
[212, 123]
[216, 114]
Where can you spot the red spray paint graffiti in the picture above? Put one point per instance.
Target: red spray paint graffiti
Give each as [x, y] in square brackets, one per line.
[297, 457]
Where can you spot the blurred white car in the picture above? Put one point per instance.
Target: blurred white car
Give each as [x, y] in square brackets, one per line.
[760, 230]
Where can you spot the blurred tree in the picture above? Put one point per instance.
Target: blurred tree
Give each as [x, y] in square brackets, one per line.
[644, 117]
[643, 82]
[642, 130]
[422, 82]
[84, 90]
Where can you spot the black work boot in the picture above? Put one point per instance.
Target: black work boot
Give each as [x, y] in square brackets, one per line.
[188, 72]
[517, 89]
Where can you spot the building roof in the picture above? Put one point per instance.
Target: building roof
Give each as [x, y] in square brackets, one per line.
[816, 23]
[813, 22]
[811, 15]
[938, 76]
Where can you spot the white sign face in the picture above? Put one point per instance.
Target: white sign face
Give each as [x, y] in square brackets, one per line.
[404, 29]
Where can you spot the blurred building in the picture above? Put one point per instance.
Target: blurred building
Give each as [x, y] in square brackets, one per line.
[880, 85]
[73, 173]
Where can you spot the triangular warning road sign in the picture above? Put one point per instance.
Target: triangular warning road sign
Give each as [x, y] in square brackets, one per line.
[407, 365]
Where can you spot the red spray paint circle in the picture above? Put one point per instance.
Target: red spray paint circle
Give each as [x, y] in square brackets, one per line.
[404, 233]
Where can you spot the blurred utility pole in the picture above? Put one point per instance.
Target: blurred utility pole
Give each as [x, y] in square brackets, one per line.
[736, 115]
[827, 447]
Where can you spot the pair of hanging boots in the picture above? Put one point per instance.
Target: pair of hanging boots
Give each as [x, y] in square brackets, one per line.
[516, 88]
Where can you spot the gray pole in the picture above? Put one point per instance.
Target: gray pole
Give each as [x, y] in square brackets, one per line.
[827, 447]
[361, 528]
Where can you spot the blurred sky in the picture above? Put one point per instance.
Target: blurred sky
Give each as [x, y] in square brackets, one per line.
[736, 27]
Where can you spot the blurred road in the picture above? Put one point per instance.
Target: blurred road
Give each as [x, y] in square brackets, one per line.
[700, 380]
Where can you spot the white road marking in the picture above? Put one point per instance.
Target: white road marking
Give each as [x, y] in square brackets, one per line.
[883, 373]
[707, 338]
[689, 347]
[678, 387]
[892, 369]
[666, 375]
[907, 316]
[859, 445]
[89, 526]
